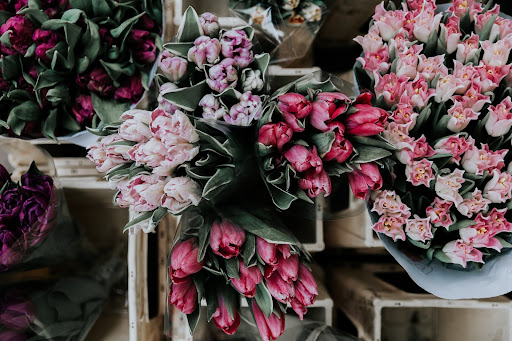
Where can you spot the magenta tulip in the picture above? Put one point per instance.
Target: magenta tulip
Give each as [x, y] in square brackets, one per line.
[270, 328]
[302, 158]
[315, 183]
[279, 288]
[306, 288]
[367, 120]
[361, 180]
[341, 148]
[248, 279]
[266, 251]
[294, 107]
[223, 320]
[275, 135]
[288, 268]
[184, 261]
[226, 239]
[326, 107]
[184, 296]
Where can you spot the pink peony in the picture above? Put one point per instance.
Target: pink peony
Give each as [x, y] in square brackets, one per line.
[180, 193]
[45, 40]
[135, 126]
[130, 89]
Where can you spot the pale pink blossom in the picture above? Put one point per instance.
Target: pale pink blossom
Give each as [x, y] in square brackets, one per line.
[475, 203]
[375, 61]
[460, 7]
[419, 229]
[372, 41]
[388, 22]
[417, 93]
[419, 148]
[145, 192]
[499, 188]
[468, 50]
[212, 108]
[496, 54]
[482, 19]
[245, 112]
[387, 203]
[398, 135]
[460, 117]
[173, 129]
[461, 253]
[473, 98]
[389, 86]
[404, 114]
[465, 75]
[477, 161]
[500, 118]
[206, 50]
[455, 145]
[496, 219]
[163, 103]
[447, 186]
[176, 156]
[407, 63]
[426, 24]
[106, 156]
[391, 226]
[431, 66]
[151, 153]
[400, 42]
[480, 235]
[180, 193]
[491, 76]
[439, 213]
[421, 5]
[451, 34]
[135, 126]
[223, 75]
[420, 172]
[446, 87]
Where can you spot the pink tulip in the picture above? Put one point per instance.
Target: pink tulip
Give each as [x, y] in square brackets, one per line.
[184, 296]
[226, 239]
[361, 180]
[209, 23]
[288, 268]
[326, 107]
[460, 253]
[285, 250]
[439, 213]
[341, 148]
[306, 289]
[279, 288]
[248, 280]
[302, 158]
[367, 120]
[237, 45]
[275, 135]
[391, 226]
[294, 107]
[266, 251]
[173, 67]
[299, 308]
[223, 320]
[205, 50]
[184, 261]
[315, 183]
[223, 75]
[270, 328]
[375, 62]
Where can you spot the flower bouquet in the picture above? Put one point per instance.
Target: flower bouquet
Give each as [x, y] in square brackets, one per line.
[240, 253]
[212, 72]
[67, 65]
[35, 226]
[286, 28]
[313, 131]
[445, 79]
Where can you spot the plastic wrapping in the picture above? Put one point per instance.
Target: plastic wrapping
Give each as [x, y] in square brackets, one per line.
[310, 137]
[56, 309]
[285, 28]
[443, 211]
[36, 227]
[240, 254]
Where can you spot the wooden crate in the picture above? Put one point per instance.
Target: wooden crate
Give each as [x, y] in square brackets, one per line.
[351, 232]
[384, 304]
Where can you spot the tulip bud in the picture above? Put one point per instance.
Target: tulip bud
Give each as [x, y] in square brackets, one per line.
[315, 183]
[341, 148]
[294, 107]
[184, 296]
[205, 50]
[173, 67]
[302, 158]
[266, 251]
[247, 280]
[226, 239]
[209, 23]
[298, 308]
[367, 120]
[366, 177]
[285, 250]
[275, 135]
[306, 288]
[252, 81]
[279, 288]
[223, 75]
[270, 328]
[184, 261]
[237, 45]
[223, 320]
[326, 107]
[288, 268]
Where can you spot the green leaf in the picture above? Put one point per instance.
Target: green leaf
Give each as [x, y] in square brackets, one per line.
[420, 244]
[158, 215]
[193, 319]
[28, 111]
[179, 49]
[440, 159]
[281, 198]
[190, 27]
[249, 249]
[430, 48]
[108, 110]
[35, 15]
[261, 228]
[264, 299]
[139, 219]
[17, 125]
[216, 184]
[204, 232]
[187, 98]
[211, 303]
[49, 125]
[48, 78]
[369, 154]
[323, 142]
[232, 268]
[467, 186]
[460, 224]
[440, 255]
[116, 32]
[486, 31]
[375, 141]
[10, 67]
[503, 242]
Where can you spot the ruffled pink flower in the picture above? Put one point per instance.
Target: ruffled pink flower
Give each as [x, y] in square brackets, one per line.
[417, 93]
[106, 157]
[388, 22]
[468, 49]
[439, 213]
[391, 226]
[480, 235]
[426, 24]
[398, 135]
[461, 253]
[428, 6]
[474, 204]
[465, 75]
[451, 34]
[302, 158]
[496, 54]
[419, 149]
[45, 40]
[375, 61]
[477, 161]
[135, 126]
[460, 7]
[366, 178]
[460, 117]
[315, 183]
[455, 145]
[499, 188]
[294, 107]
[341, 148]
[246, 111]
[404, 114]
[419, 229]
[387, 203]
[212, 108]
[226, 239]
[206, 50]
[400, 42]
[163, 103]
[491, 76]
[173, 67]
[181, 192]
[500, 118]
[371, 42]
[326, 107]
[223, 75]
[209, 23]
[391, 87]
[275, 135]
[431, 66]
[447, 186]
[237, 45]
[172, 129]
[496, 219]
[408, 62]
[473, 98]
[420, 172]
[145, 192]
[446, 87]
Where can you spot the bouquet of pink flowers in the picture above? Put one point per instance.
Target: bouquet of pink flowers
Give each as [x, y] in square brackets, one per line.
[445, 80]
[214, 73]
[240, 254]
[67, 65]
[312, 132]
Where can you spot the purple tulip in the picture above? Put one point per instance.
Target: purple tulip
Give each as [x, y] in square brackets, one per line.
[12, 335]
[33, 210]
[20, 35]
[146, 23]
[209, 23]
[212, 108]
[16, 310]
[45, 40]
[83, 109]
[131, 89]
[205, 50]
[11, 202]
[143, 46]
[246, 111]
[8, 237]
[33, 182]
[223, 75]
[106, 36]
[98, 81]
[237, 45]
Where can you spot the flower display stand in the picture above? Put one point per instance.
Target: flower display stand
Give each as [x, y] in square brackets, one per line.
[384, 304]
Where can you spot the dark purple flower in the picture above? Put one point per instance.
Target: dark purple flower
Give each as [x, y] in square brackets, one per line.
[83, 110]
[19, 4]
[100, 82]
[33, 210]
[11, 202]
[4, 176]
[12, 335]
[145, 23]
[4, 85]
[143, 46]
[16, 310]
[106, 36]
[20, 34]
[8, 237]
[131, 89]
[38, 183]
[53, 7]
[45, 40]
